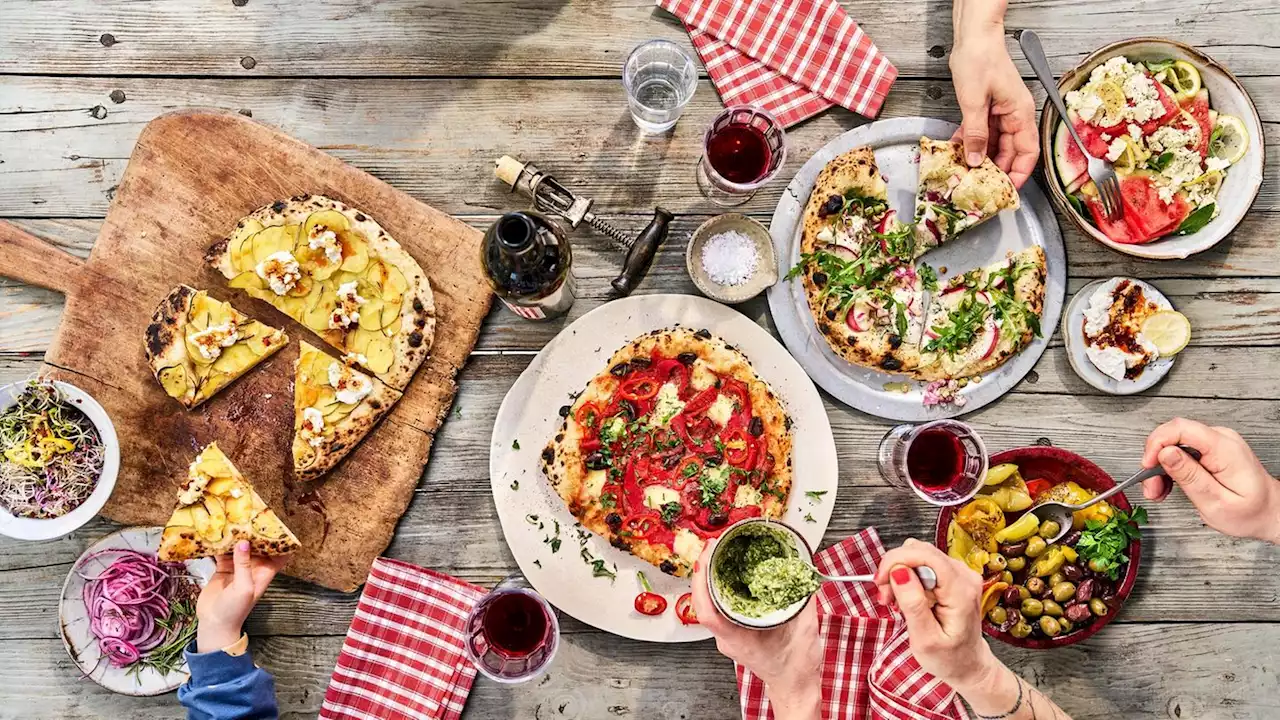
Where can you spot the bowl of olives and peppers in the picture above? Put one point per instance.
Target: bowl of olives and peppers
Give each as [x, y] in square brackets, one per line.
[1038, 594]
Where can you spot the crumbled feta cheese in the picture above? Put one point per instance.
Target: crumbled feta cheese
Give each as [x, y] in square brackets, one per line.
[1110, 360]
[1106, 138]
[194, 489]
[347, 313]
[1116, 149]
[280, 270]
[322, 238]
[1086, 103]
[1215, 163]
[1169, 137]
[1144, 99]
[212, 339]
[746, 496]
[351, 386]
[721, 410]
[1182, 169]
[655, 496]
[826, 235]
[312, 429]
[1135, 132]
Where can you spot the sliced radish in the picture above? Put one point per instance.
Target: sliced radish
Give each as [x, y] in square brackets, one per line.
[995, 340]
[983, 296]
[930, 334]
[911, 307]
[953, 289]
[886, 221]
[841, 252]
[999, 282]
[857, 318]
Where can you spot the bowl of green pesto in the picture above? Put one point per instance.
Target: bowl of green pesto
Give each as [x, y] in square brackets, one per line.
[761, 573]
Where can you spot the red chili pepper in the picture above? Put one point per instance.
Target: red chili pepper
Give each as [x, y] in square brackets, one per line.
[649, 602]
[640, 527]
[700, 402]
[688, 469]
[738, 392]
[680, 425]
[739, 448]
[639, 389]
[672, 371]
[587, 415]
[684, 610]
[1037, 486]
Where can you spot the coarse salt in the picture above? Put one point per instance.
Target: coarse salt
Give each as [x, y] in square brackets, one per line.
[730, 258]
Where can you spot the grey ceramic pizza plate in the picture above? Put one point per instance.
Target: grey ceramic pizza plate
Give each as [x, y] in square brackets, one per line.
[1073, 338]
[896, 144]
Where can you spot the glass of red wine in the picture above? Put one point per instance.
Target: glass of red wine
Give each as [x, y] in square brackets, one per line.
[944, 461]
[743, 149]
[512, 633]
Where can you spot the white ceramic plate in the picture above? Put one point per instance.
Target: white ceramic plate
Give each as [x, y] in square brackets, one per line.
[529, 417]
[1073, 338]
[896, 143]
[22, 528]
[1226, 95]
[73, 618]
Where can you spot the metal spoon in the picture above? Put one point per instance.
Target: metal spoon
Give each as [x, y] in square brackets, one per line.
[1061, 512]
[928, 578]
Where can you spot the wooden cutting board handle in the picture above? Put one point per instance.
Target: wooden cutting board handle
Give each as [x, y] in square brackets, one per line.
[26, 258]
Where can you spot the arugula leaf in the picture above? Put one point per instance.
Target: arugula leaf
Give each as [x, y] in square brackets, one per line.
[900, 320]
[928, 277]
[1104, 543]
[962, 326]
[1196, 220]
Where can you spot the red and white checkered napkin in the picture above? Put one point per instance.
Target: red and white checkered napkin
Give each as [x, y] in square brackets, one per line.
[867, 670]
[404, 657]
[794, 58]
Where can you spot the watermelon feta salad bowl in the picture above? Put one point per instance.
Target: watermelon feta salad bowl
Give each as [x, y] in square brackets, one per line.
[1184, 138]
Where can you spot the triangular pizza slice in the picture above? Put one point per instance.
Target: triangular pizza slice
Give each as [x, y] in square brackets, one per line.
[196, 345]
[335, 406]
[953, 197]
[217, 507]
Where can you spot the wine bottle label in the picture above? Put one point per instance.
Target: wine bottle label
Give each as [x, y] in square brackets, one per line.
[545, 308]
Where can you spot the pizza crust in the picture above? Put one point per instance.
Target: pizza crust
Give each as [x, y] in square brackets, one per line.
[413, 342]
[562, 460]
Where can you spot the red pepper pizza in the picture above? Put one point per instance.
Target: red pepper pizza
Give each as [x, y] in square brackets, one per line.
[670, 444]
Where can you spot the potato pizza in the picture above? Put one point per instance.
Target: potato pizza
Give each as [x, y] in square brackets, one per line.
[676, 439]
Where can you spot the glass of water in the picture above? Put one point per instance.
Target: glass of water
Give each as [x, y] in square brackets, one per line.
[660, 78]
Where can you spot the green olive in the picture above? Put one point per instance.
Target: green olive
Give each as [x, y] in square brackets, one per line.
[1006, 577]
[1050, 626]
[1056, 578]
[1017, 563]
[1049, 528]
[1099, 607]
[1063, 591]
[998, 615]
[1020, 629]
[1035, 585]
[996, 563]
[1052, 608]
[1032, 608]
[1036, 547]
[1066, 625]
[1023, 592]
[1097, 565]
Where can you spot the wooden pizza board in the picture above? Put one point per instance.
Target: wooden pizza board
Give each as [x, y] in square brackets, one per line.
[192, 176]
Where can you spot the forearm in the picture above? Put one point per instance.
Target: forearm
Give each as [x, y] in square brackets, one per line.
[977, 18]
[999, 694]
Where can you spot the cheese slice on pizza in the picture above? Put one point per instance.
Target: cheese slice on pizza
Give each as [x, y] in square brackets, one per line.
[953, 197]
[217, 507]
[335, 407]
[196, 345]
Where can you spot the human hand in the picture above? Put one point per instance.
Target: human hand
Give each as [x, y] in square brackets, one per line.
[787, 658]
[945, 626]
[999, 114]
[231, 593]
[1229, 486]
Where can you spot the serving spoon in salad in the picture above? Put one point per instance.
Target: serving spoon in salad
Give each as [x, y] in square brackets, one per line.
[1061, 513]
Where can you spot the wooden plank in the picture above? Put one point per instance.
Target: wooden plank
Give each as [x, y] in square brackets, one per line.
[1222, 671]
[435, 139]
[277, 37]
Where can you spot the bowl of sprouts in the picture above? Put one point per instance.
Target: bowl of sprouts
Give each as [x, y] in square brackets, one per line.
[58, 459]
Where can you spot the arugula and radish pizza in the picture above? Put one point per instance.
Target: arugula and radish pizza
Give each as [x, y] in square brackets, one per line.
[675, 440]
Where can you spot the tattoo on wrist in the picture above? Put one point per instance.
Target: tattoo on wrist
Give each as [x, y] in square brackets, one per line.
[1017, 705]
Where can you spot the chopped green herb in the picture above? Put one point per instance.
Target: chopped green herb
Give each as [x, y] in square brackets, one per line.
[815, 495]
[515, 484]
[555, 545]
[928, 277]
[515, 444]
[609, 500]
[690, 469]
[531, 519]
[671, 512]
[1104, 543]
[808, 517]
[538, 563]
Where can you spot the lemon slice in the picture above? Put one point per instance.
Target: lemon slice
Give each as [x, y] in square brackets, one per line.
[1169, 331]
[1113, 103]
[1230, 141]
[1132, 157]
[1211, 182]
[1184, 79]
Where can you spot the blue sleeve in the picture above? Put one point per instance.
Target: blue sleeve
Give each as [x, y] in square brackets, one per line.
[223, 687]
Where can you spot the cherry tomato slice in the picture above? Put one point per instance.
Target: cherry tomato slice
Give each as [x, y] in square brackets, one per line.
[648, 603]
[684, 610]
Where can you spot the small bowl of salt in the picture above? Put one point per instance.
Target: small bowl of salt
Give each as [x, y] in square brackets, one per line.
[730, 258]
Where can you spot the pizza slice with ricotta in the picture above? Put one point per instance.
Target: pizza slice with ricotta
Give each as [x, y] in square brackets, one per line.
[217, 507]
[953, 197]
[335, 407]
[673, 441]
[196, 345]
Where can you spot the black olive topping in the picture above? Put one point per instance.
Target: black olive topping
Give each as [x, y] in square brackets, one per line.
[756, 427]
[704, 333]
[613, 520]
[597, 461]
[668, 567]
[718, 519]
[891, 363]
[831, 206]
[620, 370]
[712, 460]
[565, 410]
[627, 410]
[640, 362]
[895, 341]
[820, 279]
[687, 358]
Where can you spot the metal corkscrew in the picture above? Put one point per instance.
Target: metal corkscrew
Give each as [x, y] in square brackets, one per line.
[550, 197]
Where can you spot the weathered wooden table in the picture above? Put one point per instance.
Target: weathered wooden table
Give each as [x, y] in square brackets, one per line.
[425, 95]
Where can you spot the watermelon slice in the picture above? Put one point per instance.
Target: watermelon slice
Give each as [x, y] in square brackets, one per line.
[1071, 164]
[1117, 231]
[1092, 135]
[1198, 107]
[1145, 213]
[1170, 110]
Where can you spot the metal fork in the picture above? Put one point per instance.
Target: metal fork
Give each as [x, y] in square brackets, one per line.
[1101, 172]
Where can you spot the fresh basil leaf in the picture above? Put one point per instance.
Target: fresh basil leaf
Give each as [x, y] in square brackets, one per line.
[1196, 220]
[1160, 162]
